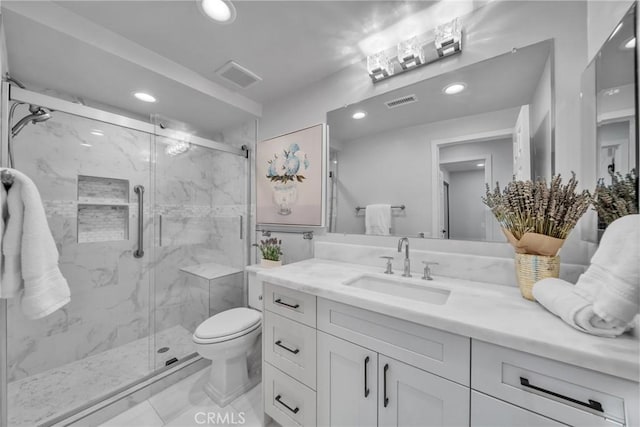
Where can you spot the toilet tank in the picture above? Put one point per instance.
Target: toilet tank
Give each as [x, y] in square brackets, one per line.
[254, 291]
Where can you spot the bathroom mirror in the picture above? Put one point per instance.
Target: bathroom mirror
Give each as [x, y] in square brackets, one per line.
[428, 149]
[609, 110]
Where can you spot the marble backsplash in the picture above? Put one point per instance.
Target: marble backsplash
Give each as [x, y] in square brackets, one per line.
[490, 269]
[195, 203]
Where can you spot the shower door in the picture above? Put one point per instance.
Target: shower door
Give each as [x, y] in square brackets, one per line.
[86, 172]
[199, 209]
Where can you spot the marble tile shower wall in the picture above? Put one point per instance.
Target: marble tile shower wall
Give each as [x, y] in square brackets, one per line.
[192, 216]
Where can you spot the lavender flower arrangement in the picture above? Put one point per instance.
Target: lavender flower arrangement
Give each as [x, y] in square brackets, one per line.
[270, 249]
[618, 199]
[535, 207]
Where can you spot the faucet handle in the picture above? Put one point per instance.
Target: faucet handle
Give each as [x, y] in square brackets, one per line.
[427, 270]
[389, 269]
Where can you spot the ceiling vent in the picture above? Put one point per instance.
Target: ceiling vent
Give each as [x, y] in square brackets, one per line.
[237, 75]
[408, 99]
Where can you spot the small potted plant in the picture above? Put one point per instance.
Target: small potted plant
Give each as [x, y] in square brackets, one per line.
[271, 251]
[536, 218]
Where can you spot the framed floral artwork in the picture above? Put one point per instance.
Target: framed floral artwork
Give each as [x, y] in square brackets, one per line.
[290, 178]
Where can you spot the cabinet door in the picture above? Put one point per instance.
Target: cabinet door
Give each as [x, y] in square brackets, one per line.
[347, 390]
[409, 396]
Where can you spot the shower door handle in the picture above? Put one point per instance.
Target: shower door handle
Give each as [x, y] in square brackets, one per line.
[139, 190]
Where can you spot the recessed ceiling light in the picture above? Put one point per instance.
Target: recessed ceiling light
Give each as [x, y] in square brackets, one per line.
[359, 115]
[84, 144]
[631, 43]
[454, 88]
[142, 96]
[97, 132]
[480, 165]
[221, 11]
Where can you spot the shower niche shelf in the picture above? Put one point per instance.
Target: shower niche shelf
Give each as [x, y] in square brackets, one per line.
[103, 209]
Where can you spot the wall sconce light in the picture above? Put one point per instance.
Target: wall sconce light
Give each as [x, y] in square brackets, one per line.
[415, 52]
[410, 53]
[379, 66]
[448, 38]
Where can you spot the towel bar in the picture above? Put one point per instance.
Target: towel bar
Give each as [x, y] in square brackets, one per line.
[401, 207]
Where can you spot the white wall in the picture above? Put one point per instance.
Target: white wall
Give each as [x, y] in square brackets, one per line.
[500, 153]
[466, 210]
[602, 18]
[395, 167]
[540, 126]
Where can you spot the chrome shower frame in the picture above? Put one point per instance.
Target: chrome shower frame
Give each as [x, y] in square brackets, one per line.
[12, 92]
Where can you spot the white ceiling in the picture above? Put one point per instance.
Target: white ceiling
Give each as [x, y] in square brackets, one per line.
[498, 83]
[103, 50]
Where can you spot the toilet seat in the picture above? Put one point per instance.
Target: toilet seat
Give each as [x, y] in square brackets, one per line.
[227, 325]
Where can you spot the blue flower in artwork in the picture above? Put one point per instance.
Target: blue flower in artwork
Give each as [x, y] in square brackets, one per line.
[292, 165]
[306, 162]
[272, 170]
[294, 147]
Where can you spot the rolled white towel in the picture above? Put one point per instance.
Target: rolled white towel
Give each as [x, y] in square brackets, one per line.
[606, 298]
[575, 308]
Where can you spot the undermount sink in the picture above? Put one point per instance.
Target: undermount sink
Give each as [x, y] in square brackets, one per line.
[399, 287]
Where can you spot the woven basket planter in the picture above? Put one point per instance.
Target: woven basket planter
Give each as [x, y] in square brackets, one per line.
[533, 268]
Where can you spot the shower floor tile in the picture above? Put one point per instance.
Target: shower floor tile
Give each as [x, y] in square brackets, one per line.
[44, 396]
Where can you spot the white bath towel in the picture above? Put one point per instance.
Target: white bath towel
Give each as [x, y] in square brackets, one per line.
[606, 298]
[378, 219]
[30, 257]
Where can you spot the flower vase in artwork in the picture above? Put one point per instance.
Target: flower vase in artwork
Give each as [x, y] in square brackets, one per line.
[285, 196]
[285, 172]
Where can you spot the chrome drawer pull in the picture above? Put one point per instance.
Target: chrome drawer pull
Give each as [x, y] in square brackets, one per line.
[593, 404]
[279, 301]
[279, 344]
[295, 411]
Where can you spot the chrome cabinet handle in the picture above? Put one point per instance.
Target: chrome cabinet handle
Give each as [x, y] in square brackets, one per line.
[593, 404]
[386, 399]
[366, 388]
[279, 344]
[139, 190]
[295, 411]
[279, 301]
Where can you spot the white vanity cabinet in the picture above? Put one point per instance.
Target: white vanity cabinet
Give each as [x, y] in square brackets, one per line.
[333, 364]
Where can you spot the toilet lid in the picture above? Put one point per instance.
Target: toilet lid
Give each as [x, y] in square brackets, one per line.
[228, 322]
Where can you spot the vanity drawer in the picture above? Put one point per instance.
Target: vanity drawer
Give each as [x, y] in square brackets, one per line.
[291, 347]
[441, 353]
[563, 392]
[489, 412]
[286, 400]
[291, 304]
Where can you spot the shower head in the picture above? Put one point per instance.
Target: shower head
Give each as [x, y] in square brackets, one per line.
[38, 114]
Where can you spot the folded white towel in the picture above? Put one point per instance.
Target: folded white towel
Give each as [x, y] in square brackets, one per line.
[30, 257]
[606, 298]
[378, 219]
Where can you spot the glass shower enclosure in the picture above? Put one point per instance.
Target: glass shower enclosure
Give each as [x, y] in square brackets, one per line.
[149, 224]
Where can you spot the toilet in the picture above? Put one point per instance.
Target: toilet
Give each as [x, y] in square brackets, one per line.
[225, 339]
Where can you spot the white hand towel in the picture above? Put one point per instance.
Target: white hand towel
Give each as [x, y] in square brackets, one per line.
[30, 267]
[606, 298]
[378, 219]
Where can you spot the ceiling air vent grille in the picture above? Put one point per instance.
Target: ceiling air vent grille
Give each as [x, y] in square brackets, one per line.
[409, 99]
[238, 75]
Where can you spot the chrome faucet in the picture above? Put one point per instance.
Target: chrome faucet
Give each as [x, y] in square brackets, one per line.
[407, 263]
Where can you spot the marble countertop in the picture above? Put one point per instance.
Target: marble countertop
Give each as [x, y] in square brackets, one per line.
[210, 270]
[492, 313]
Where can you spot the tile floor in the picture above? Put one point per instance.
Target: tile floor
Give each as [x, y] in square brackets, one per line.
[44, 396]
[185, 404]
